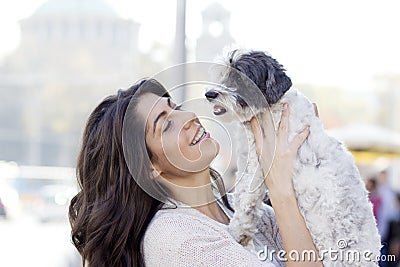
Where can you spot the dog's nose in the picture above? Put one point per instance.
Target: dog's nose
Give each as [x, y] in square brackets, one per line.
[211, 94]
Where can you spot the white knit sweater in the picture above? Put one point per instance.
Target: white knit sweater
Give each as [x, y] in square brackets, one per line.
[184, 236]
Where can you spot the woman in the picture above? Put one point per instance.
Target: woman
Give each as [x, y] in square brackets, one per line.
[146, 198]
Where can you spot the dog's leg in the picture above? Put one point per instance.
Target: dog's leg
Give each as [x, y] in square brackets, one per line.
[249, 192]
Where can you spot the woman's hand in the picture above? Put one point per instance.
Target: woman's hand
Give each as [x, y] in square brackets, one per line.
[276, 154]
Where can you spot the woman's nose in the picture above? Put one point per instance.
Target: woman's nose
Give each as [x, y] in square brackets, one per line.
[188, 119]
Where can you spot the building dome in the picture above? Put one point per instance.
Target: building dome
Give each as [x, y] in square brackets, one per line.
[76, 7]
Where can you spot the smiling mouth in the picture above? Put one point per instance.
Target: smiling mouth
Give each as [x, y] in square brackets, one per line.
[201, 134]
[219, 110]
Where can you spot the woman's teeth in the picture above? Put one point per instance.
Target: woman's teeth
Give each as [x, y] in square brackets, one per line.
[199, 135]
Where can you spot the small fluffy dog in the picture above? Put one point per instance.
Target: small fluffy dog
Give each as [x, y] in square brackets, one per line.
[330, 193]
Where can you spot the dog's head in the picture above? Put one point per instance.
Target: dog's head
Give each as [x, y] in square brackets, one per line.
[245, 74]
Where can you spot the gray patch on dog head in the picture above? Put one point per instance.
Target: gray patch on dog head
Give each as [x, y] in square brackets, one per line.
[244, 89]
[258, 68]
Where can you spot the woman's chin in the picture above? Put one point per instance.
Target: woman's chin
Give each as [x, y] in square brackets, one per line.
[209, 147]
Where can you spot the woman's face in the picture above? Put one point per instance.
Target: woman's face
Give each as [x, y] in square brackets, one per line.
[177, 141]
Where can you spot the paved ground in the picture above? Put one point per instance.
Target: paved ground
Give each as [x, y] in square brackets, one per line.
[27, 242]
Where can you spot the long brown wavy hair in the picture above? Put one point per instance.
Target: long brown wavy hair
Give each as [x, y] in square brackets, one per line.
[112, 211]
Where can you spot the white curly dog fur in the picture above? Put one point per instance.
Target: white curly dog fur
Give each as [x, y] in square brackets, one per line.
[330, 193]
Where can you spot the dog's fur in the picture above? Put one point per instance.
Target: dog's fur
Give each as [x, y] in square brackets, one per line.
[330, 193]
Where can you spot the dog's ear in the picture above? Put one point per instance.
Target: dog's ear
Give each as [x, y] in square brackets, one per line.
[276, 85]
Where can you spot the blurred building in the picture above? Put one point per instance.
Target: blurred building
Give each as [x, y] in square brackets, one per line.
[72, 53]
[215, 32]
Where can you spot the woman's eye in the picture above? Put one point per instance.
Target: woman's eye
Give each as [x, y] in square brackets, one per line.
[167, 125]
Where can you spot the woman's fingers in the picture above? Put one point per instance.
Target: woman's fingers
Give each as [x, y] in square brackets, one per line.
[299, 139]
[255, 127]
[265, 140]
[284, 124]
[264, 134]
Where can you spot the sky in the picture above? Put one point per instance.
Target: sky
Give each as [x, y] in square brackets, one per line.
[339, 42]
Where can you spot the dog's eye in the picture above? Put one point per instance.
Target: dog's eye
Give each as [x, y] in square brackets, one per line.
[241, 101]
[178, 107]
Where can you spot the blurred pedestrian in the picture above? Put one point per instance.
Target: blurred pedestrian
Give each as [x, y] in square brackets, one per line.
[388, 207]
[393, 237]
[386, 212]
[374, 196]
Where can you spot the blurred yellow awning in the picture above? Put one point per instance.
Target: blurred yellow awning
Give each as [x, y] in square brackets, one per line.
[368, 143]
[365, 156]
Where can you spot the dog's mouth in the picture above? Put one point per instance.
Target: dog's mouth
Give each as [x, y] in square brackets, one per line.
[219, 110]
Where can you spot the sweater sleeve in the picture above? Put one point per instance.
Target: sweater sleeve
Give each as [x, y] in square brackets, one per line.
[268, 235]
[184, 240]
[268, 228]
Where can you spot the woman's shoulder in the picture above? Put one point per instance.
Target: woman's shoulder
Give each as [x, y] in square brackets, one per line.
[177, 234]
[186, 237]
[182, 220]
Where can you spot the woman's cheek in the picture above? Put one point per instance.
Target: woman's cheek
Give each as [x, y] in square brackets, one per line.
[188, 152]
